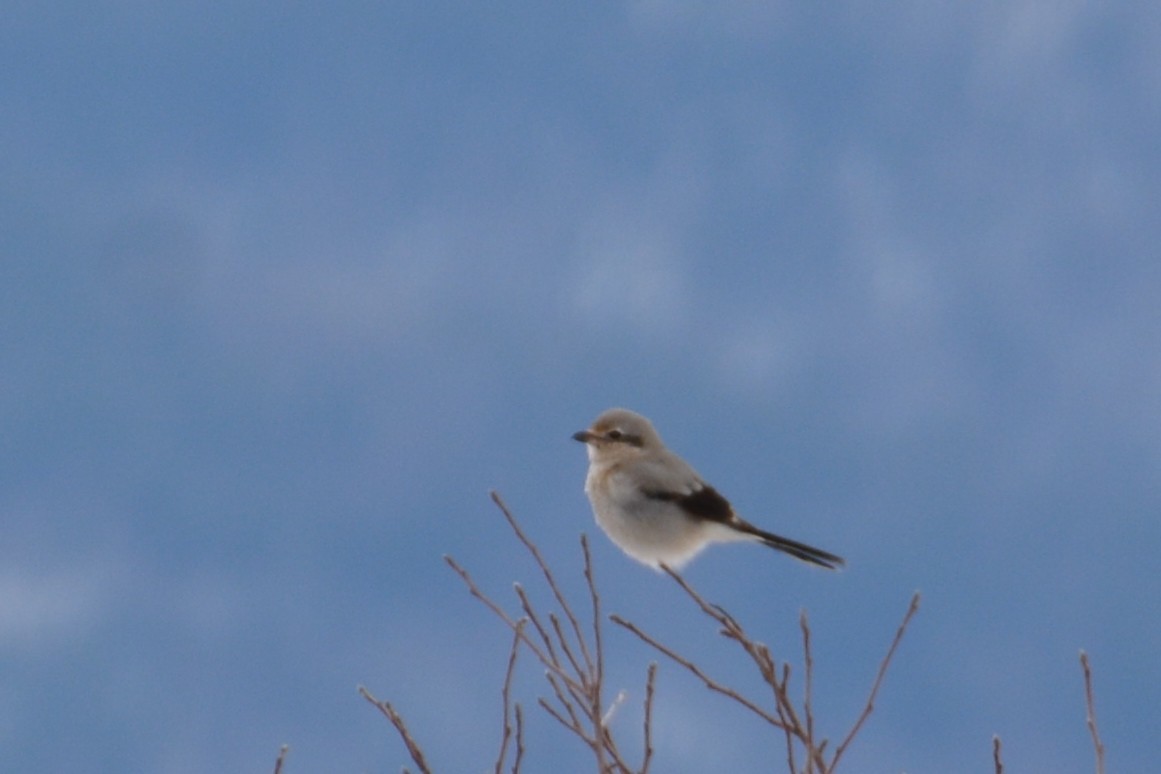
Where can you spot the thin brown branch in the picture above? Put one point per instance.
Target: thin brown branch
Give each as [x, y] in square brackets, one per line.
[786, 710]
[767, 665]
[413, 747]
[596, 666]
[912, 609]
[650, 678]
[281, 758]
[572, 726]
[713, 611]
[544, 658]
[530, 612]
[568, 698]
[1090, 714]
[506, 693]
[574, 671]
[732, 629]
[708, 681]
[787, 720]
[605, 746]
[996, 760]
[781, 692]
[791, 763]
[544, 568]
[595, 601]
[558, 630]
[782, 698]
[808, 689]
[617, 763]
[519, 740]
[575, 667]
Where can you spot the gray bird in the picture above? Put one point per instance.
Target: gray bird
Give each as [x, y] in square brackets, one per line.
[655, 507]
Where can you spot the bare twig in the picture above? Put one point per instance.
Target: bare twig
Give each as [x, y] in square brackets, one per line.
[412, 746]
[574, 667]
[780, 688]
[595, 602]
[650, 677]
[569, 701]
[281, 758]
[788, 720]
[788, 732]
[531, 614]
[912, 609]
[519, 740]
[732, 629]
[1090, 714]
[808, 687]
[596, 668]
[572, 725]
[709, 682]
[549, 661]
[505, 694]
[616, 762]
[544, 568]
[996, 754]
[561, 638]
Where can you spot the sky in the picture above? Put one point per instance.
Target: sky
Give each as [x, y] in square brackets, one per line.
[287, 289]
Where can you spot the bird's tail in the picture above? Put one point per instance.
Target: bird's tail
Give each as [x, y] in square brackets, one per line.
[798, 550]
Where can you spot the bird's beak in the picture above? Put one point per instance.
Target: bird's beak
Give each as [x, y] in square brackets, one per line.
[584, 436]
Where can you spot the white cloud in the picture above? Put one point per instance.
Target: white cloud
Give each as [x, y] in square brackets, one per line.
[635, 286]
[1018, 40]
[40, 606]
[631, 276]
[896, 273]
[758, 355]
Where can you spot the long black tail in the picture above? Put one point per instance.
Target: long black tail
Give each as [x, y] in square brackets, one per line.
[798, 550]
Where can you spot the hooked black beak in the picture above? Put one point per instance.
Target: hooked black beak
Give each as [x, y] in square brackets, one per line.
[584, 436]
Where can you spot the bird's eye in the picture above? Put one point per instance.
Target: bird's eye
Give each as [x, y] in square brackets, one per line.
[614, 435]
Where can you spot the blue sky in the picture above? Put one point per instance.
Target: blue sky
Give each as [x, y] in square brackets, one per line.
[286, 290]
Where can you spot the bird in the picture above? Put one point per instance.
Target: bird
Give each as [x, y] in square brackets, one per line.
[655, 507]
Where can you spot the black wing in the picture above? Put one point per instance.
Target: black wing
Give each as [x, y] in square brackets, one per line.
[705, 503]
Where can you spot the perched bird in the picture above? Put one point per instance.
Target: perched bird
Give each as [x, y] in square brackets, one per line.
[656, 507]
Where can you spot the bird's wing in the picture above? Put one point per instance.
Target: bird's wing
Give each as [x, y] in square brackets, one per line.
[670, 478]
[704, 503]
[665, 472]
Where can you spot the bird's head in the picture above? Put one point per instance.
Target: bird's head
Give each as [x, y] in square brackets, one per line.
[619, 434]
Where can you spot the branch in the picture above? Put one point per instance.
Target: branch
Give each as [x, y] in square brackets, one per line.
[532, 549]
[519, 740]
[808, 688]
[911, 611]
[412, 746]
[549, 662]
[709, 682]
[648, 757]
[281, 757]
[505, 694]
[574, 667]
[595, 602]
[1090, 714]
[788, 720]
